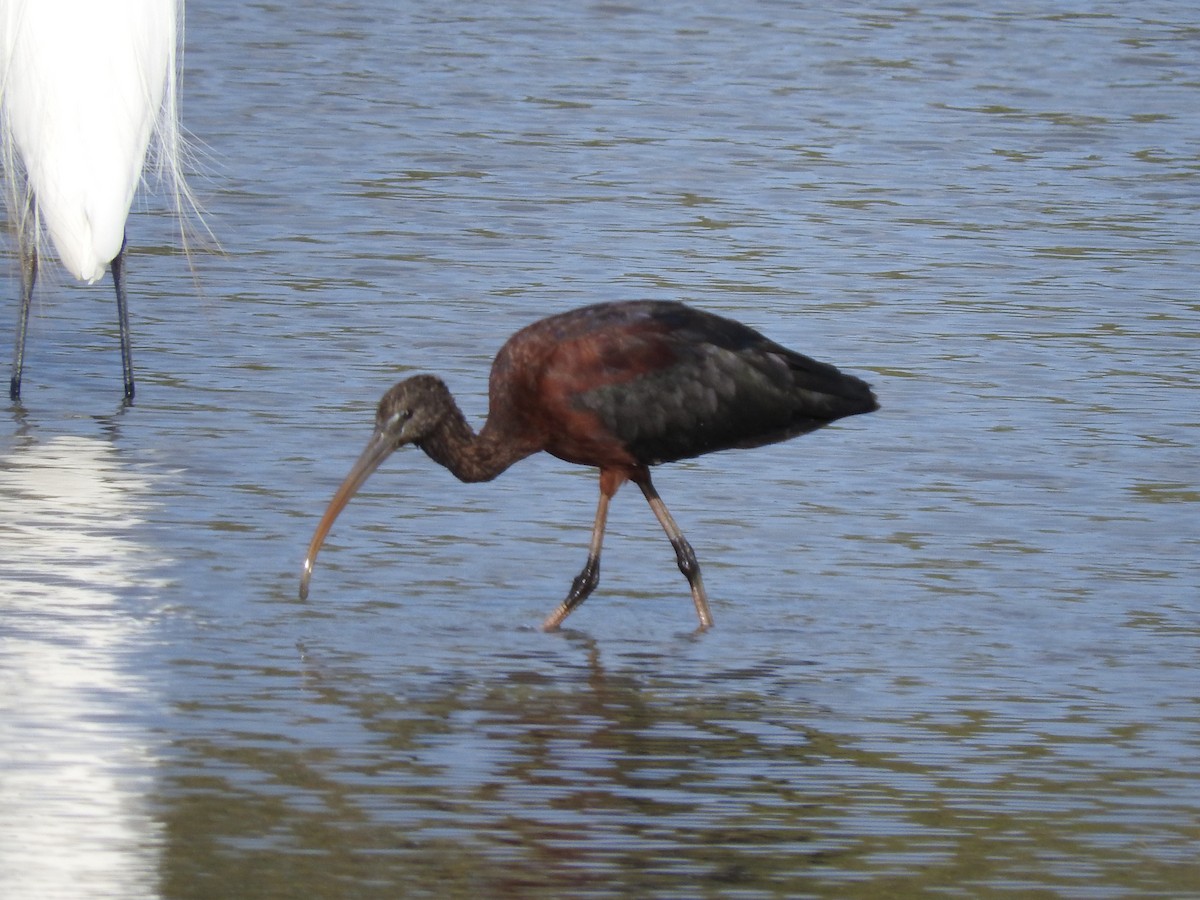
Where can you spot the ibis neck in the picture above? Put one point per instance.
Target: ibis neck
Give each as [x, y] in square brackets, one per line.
[470, 456]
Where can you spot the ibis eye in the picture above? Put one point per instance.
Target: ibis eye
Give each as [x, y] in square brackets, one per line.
[398, 418]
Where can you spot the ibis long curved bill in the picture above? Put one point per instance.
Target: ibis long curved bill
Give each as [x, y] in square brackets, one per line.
[378, 449]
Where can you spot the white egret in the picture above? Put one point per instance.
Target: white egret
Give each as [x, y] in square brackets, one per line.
[85, 86]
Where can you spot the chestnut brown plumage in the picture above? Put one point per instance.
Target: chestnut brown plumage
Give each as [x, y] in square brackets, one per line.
[618, 386]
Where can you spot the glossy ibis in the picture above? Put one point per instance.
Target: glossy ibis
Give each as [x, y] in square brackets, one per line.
[84, 87]
[619, 386]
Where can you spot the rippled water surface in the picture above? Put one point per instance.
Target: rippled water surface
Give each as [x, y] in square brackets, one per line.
[956, 640]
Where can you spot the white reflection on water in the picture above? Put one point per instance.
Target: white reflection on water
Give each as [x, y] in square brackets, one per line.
[74, 764]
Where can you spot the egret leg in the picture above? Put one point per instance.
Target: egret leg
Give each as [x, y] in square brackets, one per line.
[29, 266]
[118, 277]
[585, 582]
[684, 555]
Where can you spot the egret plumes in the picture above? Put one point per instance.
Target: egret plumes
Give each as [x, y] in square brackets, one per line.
[87, 89]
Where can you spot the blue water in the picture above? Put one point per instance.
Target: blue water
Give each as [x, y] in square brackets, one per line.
[955, 639]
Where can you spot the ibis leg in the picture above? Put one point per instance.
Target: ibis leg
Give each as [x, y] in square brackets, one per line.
[684, 555]
[585, 582]
[29, 266]
[118, 277]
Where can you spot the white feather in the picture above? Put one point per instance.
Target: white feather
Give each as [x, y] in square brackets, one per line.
[84, 87]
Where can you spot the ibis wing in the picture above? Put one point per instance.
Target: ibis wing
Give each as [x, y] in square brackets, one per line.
[682, 383]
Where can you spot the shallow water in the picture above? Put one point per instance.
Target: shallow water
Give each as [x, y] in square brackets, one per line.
[955, 639]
